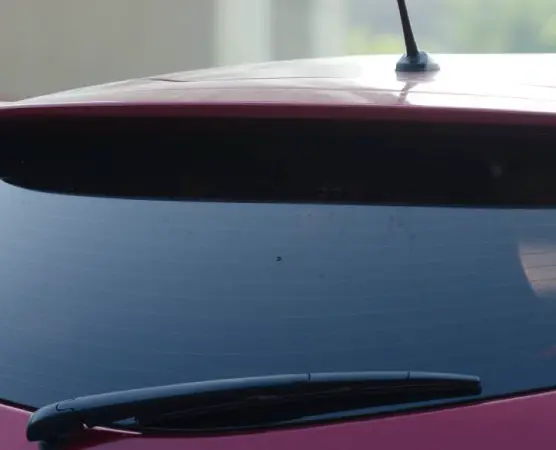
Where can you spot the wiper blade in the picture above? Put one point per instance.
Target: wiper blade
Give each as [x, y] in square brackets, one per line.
[305, 394]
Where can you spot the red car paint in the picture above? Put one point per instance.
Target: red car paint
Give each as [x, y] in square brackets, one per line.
[508, 424]
[469, 89]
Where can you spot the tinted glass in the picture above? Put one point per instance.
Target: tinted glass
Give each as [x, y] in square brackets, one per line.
[101, 294]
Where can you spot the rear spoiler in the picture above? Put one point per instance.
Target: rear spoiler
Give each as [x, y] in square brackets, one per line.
[34, 110]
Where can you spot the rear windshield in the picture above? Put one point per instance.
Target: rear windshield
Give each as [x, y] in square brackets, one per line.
[103, 293]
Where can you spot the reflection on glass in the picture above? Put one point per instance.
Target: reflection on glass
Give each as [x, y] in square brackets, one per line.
[539, 264]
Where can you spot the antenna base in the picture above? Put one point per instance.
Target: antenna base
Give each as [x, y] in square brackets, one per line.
[422, 62]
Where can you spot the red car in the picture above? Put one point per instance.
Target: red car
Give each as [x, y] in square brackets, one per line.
[314, 254]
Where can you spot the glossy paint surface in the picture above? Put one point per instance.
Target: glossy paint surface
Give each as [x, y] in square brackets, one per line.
[494, 82]
[507, 425]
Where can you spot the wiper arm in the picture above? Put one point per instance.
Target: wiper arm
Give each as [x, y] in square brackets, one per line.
[305, 394]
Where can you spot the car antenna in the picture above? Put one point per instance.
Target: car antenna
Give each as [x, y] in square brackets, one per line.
[414, 60]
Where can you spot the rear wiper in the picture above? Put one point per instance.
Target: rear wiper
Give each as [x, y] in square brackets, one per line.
[245, 402]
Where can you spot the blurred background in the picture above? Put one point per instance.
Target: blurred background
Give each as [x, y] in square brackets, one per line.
[51, 45]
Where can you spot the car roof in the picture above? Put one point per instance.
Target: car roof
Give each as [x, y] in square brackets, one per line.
[515, 82]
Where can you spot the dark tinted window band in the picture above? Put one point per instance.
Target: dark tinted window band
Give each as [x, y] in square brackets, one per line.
[281, 161]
